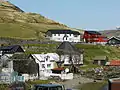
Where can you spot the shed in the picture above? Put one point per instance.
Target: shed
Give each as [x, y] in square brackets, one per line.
[100, 60]
[24, 64]
[114, 84]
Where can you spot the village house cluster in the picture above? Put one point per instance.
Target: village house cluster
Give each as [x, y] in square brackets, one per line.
[93, 37]
[18, 66]
[75, 36]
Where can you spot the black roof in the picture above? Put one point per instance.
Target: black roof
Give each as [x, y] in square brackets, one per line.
[11, 49]
[115, 37]
[94, 32]
[118, 38]
[63, 31]
[67, 47]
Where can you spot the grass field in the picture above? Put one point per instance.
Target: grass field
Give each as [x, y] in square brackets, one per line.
[25, 30]
[93, 86]
[90, 51]
[23, 25]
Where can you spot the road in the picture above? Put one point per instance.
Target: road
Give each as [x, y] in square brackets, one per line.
[75, 82]
[105, 87]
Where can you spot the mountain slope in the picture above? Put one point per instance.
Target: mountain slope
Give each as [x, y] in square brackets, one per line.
[16, 23]
[110, 33]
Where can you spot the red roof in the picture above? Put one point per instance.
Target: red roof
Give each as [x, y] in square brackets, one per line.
[58, 68]
[115, 63]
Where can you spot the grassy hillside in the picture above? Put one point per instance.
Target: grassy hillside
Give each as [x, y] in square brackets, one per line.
[90, 51]
[16, 23]
[25, 30]
[110, 33]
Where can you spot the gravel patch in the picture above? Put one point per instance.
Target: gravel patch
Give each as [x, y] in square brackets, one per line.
[78, 80]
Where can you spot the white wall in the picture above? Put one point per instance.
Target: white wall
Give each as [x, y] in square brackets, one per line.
[71, 38]
[29, 77]
[62, 75]
[65, 58]
[42, 60]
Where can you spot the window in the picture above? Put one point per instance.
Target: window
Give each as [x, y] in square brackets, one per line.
[70, 38]
[48, 65]
[66, 38]
[75, 35]
[43, 65]
[58, 38]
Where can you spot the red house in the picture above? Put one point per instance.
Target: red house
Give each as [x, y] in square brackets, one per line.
[94, 37]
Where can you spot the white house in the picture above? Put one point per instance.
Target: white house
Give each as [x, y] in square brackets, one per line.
[70, 54]
[61, 35]
[46, 62]
[18, 63]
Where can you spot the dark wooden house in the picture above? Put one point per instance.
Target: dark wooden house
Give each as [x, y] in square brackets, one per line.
[24, 64]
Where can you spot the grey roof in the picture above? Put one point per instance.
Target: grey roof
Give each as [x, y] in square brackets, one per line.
[100, 58]
[67, 47]
[63, 31]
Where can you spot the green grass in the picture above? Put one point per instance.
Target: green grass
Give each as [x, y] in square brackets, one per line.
[24, 25]
[86, 67]
[90, 51]
[92, 86]
[40, 48]
[24, 30]
[3, 87]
